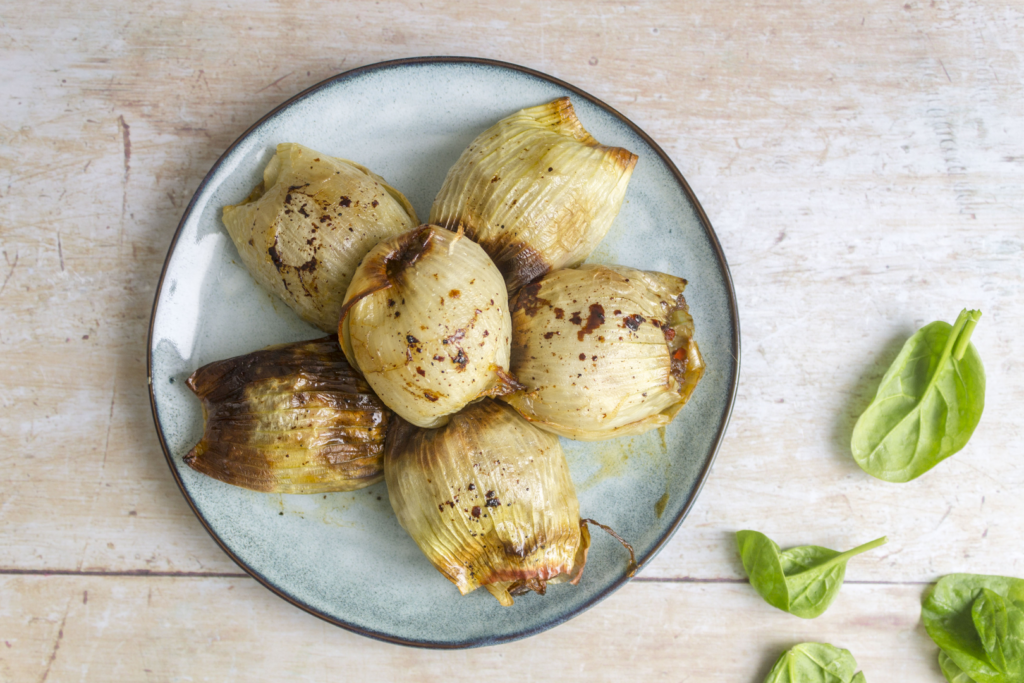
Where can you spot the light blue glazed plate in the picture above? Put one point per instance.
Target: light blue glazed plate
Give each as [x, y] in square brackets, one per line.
[343, 556]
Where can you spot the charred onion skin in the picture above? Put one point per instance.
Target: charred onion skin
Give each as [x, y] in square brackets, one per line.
[603, 351]
[293, 418]
[426, 321]
[304, 229]
[536, 191]
[489, 501]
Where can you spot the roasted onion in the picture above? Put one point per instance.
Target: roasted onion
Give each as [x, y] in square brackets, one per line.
[489, 501]
[305, 228]
[536, 190]
[426, 321]
[603, 351]
[293, 418]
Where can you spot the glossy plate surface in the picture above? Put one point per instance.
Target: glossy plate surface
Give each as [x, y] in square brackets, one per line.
[343, 556]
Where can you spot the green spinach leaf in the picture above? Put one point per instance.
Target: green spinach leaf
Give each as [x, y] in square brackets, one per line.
[927, 406]
[952, 672]
[815, 663]
[964, 620]
[1000, 626]
[802, 581]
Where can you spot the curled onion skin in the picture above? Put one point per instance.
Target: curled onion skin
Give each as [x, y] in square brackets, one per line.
[603, 351]
[536, 190]
[304, 229]
[294, 418]
[489, 500]
[426, 321]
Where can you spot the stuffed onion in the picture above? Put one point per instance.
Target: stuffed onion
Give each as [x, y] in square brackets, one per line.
[489, 501]
[293, 418]
[304, 229]
[603, 351]
[536, 190]
[426, 321]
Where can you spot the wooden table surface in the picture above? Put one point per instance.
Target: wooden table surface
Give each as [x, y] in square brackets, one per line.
[861, 162]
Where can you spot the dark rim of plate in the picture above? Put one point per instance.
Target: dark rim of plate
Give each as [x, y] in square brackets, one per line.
[733, 381]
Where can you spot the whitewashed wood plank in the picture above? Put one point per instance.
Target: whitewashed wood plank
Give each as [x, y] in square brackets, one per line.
[224, 630]
[861, 164]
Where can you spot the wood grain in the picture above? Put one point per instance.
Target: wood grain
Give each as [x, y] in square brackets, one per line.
[860, 162]
[222, 630]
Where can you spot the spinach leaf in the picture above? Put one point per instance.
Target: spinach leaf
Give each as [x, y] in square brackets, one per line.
[815, 663]
[927, 406]
[973, 642]
[802, 581]
[952, 672]
[1001, 629]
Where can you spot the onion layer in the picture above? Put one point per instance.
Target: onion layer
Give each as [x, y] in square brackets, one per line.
[536, 191]
[426, 321]
[603, 351]
[489, 501]
[305, 228]
[293, 418]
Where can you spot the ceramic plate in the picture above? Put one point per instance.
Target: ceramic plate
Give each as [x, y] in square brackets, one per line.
[343, 556]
